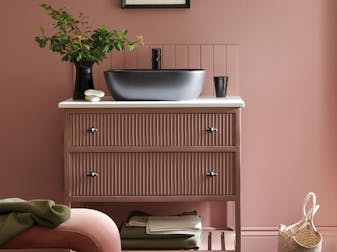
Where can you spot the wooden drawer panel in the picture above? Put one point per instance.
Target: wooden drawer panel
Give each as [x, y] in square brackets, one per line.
[152, 174]
[152, 129]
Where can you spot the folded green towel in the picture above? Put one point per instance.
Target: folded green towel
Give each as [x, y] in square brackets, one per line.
[193, 242]
[127, 232]
[132, 232]
[136, 237]
[17, 216]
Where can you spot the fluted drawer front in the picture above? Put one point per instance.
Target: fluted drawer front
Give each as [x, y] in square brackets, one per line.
[152, 174]
[152, 129]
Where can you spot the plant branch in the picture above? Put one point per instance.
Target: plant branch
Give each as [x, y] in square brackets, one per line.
[75, 41]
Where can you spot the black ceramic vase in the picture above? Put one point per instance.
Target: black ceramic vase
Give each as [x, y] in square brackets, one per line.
[84, 79]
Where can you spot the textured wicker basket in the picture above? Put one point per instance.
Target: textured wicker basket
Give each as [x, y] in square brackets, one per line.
[303, 235]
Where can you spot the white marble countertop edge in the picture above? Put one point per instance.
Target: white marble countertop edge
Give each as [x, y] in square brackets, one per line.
[107, 102]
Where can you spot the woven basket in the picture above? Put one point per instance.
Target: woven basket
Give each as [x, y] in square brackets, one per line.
[303, 235]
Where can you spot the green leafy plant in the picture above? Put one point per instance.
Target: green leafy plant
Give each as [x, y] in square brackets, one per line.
[75, 41]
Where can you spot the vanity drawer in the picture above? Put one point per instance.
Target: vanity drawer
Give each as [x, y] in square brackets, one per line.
[152, 129]
[152, 174]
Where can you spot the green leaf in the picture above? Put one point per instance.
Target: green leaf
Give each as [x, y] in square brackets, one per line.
[119, 46]
[45, 6]
[87, 47]
[115, 33]
[132, 46]
[43, 43]
[124, 32]
[42, 30]
[65, 58]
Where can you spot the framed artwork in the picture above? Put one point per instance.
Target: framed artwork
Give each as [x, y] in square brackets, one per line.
[155, 4]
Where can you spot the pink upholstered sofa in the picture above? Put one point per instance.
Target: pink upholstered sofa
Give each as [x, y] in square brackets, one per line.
[87, 230]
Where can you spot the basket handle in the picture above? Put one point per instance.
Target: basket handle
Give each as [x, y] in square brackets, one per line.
[308, 217]
[309, 196]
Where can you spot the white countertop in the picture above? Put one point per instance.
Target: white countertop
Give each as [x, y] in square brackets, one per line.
[108, 102]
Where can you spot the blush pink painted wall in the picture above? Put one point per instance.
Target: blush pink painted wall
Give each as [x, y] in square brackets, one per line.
[288, 61]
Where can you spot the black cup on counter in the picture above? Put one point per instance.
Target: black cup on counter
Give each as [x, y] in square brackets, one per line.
[220, 83]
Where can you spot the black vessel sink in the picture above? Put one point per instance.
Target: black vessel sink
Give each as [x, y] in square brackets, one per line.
[155, 85]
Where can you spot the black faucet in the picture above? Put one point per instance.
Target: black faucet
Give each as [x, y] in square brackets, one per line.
[156, 58]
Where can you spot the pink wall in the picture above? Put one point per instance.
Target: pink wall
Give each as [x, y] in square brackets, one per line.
[287, 76]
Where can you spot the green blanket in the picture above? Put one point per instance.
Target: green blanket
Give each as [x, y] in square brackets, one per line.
[192, 242]
[136, 237]
[17, 215]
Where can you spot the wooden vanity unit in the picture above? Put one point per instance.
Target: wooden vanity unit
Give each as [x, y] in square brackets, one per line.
[156, 151]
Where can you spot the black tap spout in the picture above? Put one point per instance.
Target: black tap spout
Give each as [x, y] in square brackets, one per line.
[156, 58]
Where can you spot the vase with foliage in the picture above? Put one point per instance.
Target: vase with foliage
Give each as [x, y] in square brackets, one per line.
[82, 45]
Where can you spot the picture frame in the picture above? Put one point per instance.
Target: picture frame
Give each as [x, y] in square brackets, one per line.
[155, 4]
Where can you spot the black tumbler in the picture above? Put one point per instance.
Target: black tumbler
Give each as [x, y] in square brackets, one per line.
[220, 83]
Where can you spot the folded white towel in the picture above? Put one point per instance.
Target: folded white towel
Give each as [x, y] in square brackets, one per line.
[185, 224]
[137, 221]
